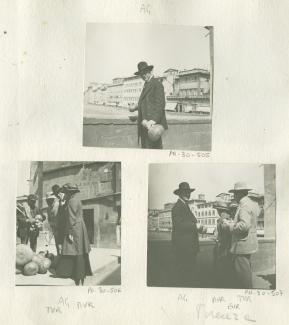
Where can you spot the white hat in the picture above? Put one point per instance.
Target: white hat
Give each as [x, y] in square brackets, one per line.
[240, 186]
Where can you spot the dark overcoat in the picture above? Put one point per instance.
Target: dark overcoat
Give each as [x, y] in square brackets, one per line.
[185, 237]
[74, 225]
[22, 217]
[151, 104]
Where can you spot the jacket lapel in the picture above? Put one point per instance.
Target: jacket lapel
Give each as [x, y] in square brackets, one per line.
[145, 90]
[188, 209]
[237, 214]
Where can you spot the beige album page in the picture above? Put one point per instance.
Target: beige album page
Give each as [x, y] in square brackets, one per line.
[144, 162]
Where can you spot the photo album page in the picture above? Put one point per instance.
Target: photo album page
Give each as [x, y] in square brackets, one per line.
[144, 162]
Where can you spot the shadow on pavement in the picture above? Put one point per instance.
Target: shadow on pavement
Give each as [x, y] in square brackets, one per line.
[113, 279]
[271, 278]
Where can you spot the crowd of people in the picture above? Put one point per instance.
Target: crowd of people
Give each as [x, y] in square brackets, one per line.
[236, 237]
[64, 215]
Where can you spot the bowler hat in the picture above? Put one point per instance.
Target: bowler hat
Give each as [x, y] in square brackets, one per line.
[183, 187]
[32, 197]
[69, 187]
[143, 67]
[221, 205]
[240, 186]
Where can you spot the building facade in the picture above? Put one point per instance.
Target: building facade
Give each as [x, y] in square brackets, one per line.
[185, 91]
[204, 211]
[192, 91]
[100, 193]
[169, 77]
[207, 215]
[115, 92]
[100, 95]
[96, 94]
[161, 220]
[132, 87]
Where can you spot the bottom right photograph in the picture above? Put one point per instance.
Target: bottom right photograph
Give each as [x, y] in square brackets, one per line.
[212, 225]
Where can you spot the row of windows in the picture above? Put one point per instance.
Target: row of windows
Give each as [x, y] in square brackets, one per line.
[189, 92]
[192, 78]
[133, 90]
[206, 213]
[134, 99]
[132, 84]
[208, 221]
[210, 213]
[207, 205]
[188, 79]
[167, 221]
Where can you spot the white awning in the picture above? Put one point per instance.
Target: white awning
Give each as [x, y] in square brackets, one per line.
[171, 106]
[205, 109]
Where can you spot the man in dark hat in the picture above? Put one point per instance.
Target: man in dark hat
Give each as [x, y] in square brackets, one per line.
[22, 224]
[244, 235]
[30, 223]
[151, 107]
[185, 237]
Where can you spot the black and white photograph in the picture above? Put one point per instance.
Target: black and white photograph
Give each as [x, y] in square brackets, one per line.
[144, 162]
[143, 82]
[68, 223]
[212, 226]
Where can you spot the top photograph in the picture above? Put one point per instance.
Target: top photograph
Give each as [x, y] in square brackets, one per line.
[148, 86]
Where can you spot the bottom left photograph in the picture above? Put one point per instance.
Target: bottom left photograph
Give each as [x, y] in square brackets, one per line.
[68, 223]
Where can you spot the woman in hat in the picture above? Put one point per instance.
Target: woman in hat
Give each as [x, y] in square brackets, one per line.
[74, 262]
[223, 260]
[53, 218]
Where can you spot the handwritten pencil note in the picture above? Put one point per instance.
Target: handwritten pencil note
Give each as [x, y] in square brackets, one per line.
[64, 304]
[234, 308]
[188, 154]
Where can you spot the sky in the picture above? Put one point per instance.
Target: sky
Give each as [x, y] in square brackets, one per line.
[23, 176]
[114, 50]
[207, 178]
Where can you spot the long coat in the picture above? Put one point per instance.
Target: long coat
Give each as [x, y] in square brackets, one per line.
[151, 104]
[185, 237]
[244, 230]
[74, 225]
